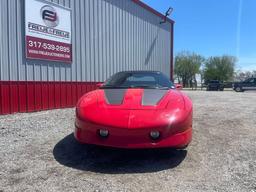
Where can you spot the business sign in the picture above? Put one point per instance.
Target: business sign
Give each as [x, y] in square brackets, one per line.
[48, 31]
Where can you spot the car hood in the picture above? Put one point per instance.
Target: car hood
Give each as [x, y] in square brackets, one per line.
[132, 108]
[132, 98]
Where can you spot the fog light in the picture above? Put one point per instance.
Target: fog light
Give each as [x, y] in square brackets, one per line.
[154, 135]
[103, 132]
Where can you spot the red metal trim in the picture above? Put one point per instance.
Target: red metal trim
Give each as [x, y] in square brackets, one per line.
[74, 93]
[1, 98]
[14, 99]
[172, 49]
[38, 96]
[22, 86]
[51, 95]
[29, 96]
[57, 94]
[145, 6]
[45, 95]
[79, 90]
[69, 95]
[63, 95]
[5, 98]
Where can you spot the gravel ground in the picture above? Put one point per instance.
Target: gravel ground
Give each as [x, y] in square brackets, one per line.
[38, 153]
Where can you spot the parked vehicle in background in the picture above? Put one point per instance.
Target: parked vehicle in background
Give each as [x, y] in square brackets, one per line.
[214, 85]
[228, 85]
[248, 84]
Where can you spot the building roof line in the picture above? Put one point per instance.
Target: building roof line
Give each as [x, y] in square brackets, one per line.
[147, 7]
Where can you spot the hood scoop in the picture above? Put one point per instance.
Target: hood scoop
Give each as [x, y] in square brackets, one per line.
[114, 96]
[133, 99]
[152, 96]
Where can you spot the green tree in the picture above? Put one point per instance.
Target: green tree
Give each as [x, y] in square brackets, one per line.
[243, 75]
[187, 65]
[219, 68]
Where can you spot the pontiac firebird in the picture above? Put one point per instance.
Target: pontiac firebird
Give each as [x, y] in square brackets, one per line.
[135, 109]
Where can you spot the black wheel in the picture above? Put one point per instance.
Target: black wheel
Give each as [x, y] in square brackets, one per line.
[238, 89]
[183, 147]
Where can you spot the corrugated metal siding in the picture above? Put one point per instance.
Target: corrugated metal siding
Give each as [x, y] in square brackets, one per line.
[107, 36]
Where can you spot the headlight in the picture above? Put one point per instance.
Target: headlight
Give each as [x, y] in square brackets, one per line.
[154, 135]
[103, 132]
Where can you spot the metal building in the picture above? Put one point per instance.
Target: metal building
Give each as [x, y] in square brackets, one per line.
[107, 36]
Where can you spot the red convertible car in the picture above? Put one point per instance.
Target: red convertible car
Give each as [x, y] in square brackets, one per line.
[135, 109]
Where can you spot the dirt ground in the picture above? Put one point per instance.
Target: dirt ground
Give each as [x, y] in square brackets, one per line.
[38, 153]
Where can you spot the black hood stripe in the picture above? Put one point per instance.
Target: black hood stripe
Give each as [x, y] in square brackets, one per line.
[152, 96]
[114, 96]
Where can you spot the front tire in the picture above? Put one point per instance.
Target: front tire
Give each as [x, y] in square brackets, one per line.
[183, 147]
[238, 89]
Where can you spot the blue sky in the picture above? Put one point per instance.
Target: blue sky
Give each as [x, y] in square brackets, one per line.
[214, 27]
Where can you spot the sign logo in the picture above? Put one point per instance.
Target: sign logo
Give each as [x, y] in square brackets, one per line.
[49, 16]
[46, 37]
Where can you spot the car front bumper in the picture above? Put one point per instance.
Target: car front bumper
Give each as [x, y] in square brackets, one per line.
[131, 138]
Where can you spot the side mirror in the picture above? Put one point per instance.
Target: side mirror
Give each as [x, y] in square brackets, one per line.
[178, 86]
[98, 85]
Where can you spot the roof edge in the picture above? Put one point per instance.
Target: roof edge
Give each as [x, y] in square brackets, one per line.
[147, 7]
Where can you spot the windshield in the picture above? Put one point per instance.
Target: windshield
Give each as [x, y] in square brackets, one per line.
[250, 80]
[150, 80]
[214, 81]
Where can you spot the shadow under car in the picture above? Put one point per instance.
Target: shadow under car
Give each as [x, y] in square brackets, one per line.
[70, 153]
